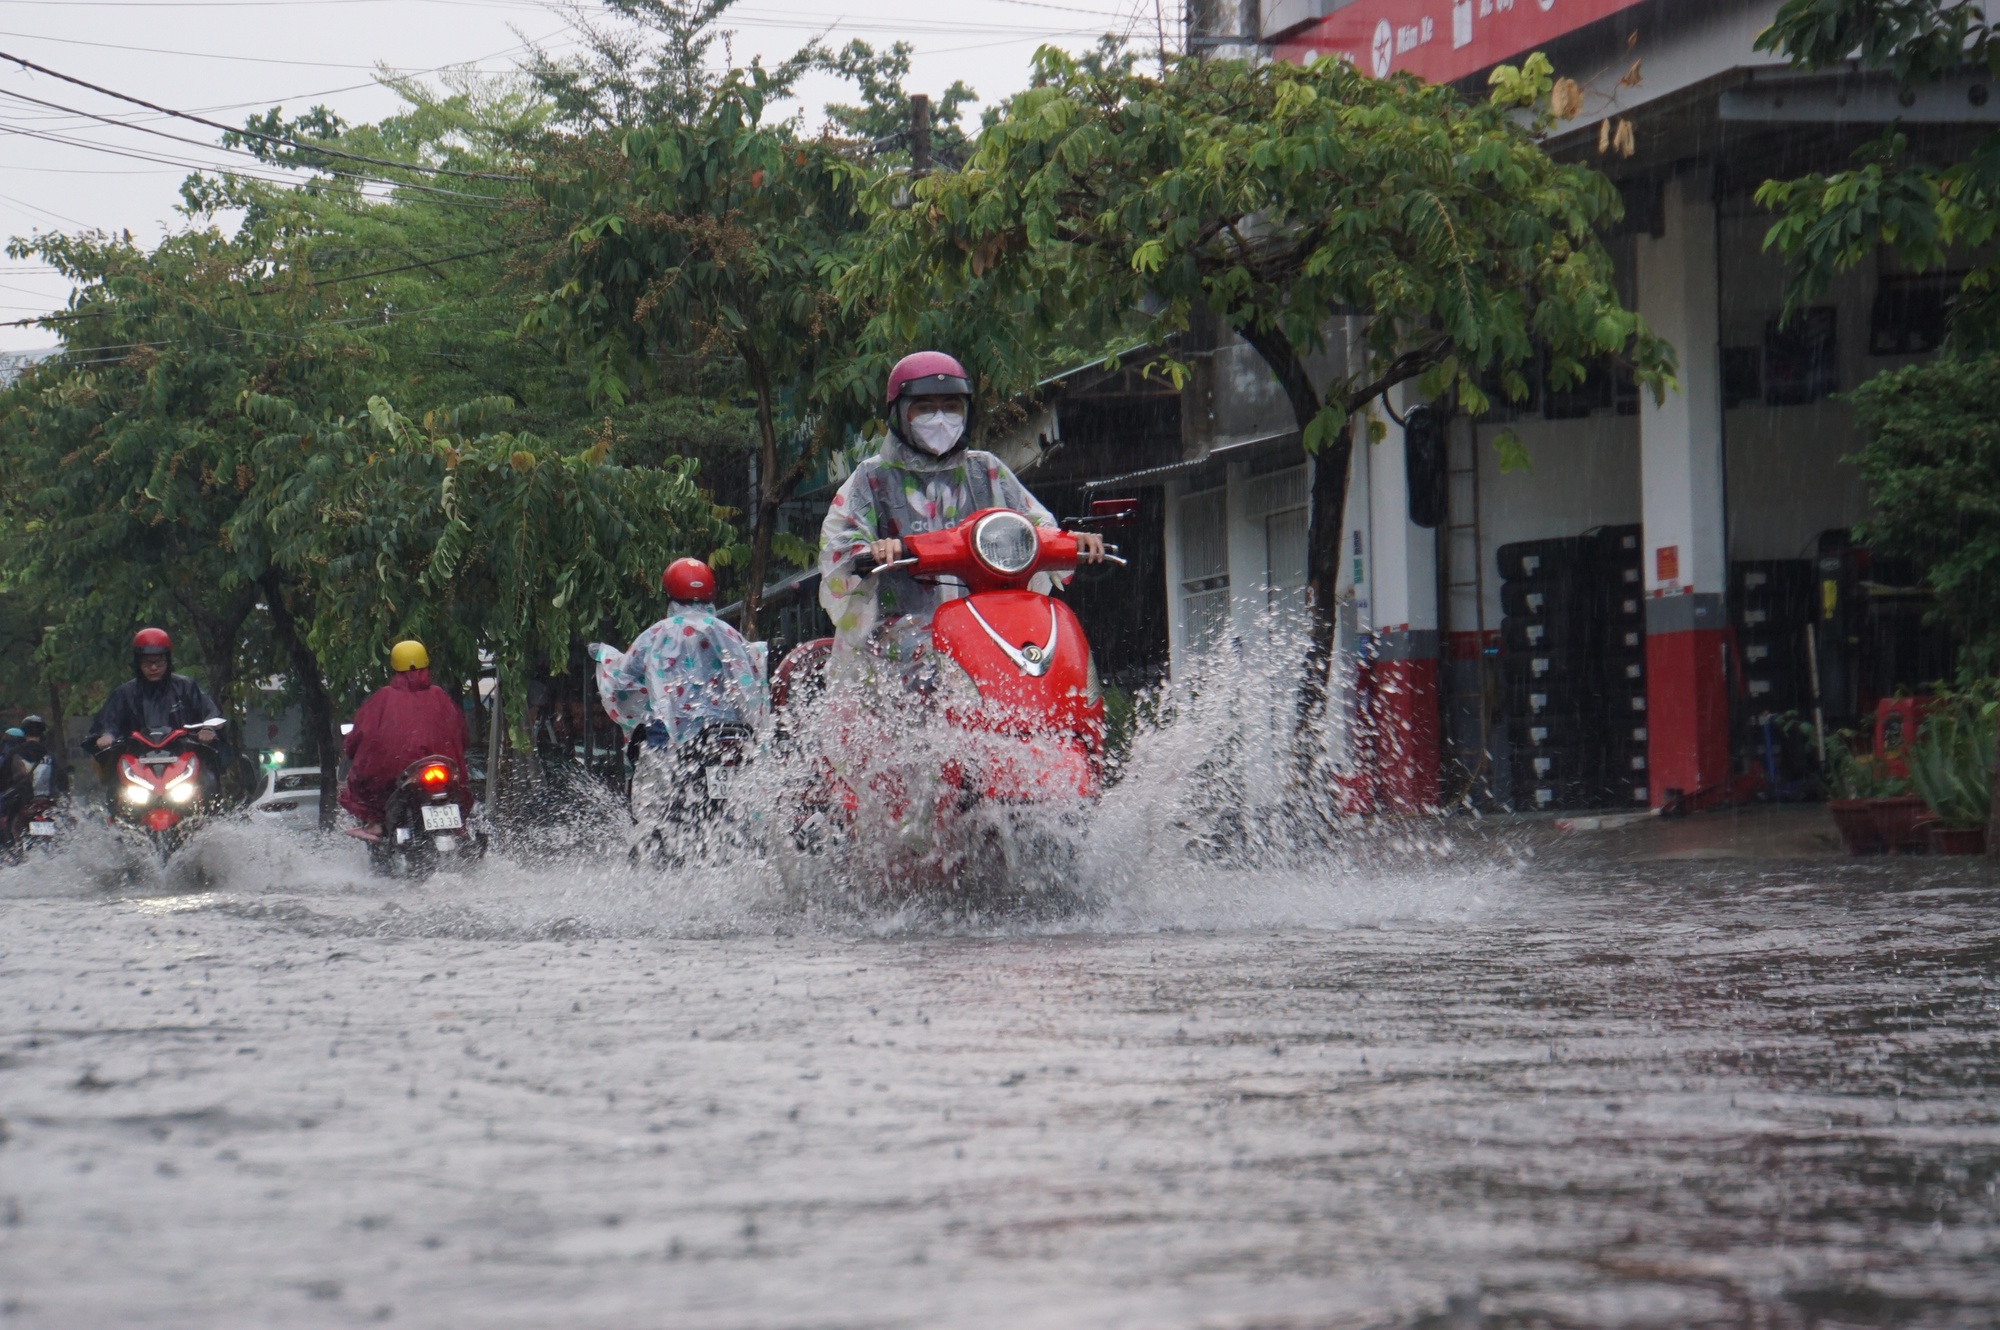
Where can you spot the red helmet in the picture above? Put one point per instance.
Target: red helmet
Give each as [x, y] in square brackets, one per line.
[689, 579]
[928, 372]
[152, 642]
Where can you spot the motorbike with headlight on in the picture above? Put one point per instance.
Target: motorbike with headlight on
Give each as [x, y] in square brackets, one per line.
[167, 782]
[1006, 677]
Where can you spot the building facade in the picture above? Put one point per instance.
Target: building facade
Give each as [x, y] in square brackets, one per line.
[1652, 609]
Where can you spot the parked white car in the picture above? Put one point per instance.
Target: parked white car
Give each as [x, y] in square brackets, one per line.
[290, 799]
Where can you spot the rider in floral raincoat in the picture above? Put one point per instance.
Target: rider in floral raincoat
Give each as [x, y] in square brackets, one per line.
[687, 673]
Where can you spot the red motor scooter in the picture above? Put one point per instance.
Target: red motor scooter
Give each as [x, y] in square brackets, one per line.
[163, 785]
[1007, 680]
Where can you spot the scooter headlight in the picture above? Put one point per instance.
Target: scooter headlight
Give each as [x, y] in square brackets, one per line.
[133, 793]
[1006, 543]
[182, 792]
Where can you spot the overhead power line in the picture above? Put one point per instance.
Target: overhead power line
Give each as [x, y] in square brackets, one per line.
[197, 143]
[457, 198]
[251, 133]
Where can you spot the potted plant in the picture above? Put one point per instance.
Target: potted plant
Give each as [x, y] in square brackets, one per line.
[1858, 784]
[1951, 765]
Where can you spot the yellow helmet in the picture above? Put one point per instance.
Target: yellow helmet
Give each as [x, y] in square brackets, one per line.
[409, 655]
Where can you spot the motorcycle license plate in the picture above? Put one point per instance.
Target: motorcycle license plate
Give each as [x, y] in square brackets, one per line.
[719, 780]
[442, 817]
[41, 828]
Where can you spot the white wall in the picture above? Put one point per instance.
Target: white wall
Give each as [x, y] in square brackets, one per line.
[1585, 474]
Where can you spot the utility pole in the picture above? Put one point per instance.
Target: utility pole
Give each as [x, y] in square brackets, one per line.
[920, 134]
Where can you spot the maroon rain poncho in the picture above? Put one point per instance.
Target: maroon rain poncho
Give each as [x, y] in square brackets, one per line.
[408, 720]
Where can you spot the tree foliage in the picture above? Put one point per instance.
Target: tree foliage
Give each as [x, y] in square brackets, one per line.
[137, 484]
[1932, 214]
[470, 538]
[1274, 197]
[1932, 463]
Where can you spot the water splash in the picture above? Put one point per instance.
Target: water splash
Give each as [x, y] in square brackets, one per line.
[1211, 818]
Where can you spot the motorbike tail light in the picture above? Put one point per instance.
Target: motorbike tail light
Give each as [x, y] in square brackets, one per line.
[435, 776]
[1006, 543]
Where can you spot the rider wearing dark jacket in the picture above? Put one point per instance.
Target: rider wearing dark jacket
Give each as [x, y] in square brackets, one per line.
[154, 698]
[22, 779]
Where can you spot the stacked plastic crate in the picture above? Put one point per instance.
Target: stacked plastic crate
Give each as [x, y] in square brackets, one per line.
[1771, 610]
[1619, 569]
[1549, 671]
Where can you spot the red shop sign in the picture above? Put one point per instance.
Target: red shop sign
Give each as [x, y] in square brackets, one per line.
[1442, 40]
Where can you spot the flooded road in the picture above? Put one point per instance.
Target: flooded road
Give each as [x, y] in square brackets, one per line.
[1477, 1091]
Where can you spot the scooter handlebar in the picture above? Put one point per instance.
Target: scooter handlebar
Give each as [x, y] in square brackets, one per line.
[865, 565]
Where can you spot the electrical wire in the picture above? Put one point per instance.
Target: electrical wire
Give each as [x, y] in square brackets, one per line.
[176, 138]
[246, 133]
[484, 202]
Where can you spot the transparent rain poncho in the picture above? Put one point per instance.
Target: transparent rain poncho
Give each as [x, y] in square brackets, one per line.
[902, 492]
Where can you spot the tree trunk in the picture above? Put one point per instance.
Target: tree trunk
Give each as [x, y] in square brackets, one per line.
[312, 694]
[1330, 463]
[1329, 499]
[220, 631]
[764, 525]
[59, 729]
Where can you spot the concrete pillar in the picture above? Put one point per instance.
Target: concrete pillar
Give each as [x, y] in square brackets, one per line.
[1681, 470]
[1405, 608]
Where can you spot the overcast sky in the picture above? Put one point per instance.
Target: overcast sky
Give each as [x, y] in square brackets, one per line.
[225, 58]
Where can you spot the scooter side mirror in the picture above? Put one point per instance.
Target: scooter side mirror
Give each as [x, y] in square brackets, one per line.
[1106, 513]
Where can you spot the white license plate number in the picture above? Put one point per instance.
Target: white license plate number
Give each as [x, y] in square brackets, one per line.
[719, 781]
[41, 828]
[442, 817]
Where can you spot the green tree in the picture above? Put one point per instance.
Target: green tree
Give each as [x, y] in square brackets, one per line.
[1932, 463]
[648, 65]
[717, 239]
[470, 538]
[883, 114]
[132, 482]
[1932, 214]
[125, 458]
[1931, 457]
[1275, 197]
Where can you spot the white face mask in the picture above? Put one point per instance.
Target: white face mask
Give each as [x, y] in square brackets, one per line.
[937, 432]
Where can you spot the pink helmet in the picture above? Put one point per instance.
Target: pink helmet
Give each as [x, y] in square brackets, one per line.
[927, 373]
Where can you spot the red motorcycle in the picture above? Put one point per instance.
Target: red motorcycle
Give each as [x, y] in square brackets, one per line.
[1005, 691]
[165, 783]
